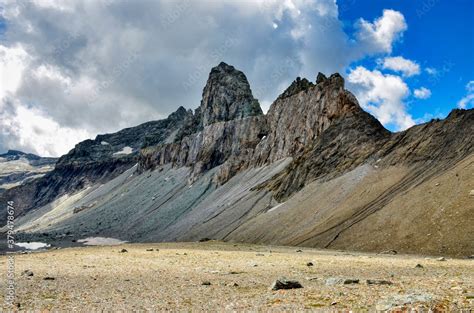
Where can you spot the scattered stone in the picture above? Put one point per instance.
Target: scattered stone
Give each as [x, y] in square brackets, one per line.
[441, 259]
[299, 250]
[311, 278]
[150, 249]
[341, 281]
[392, 252]
[206, 283]
[49, 278]
[334, 303]
[398, 301]
[309, 264]
[27, 273]
[233, 285]
[378, 282]
[123, 251]
[419, 266]
[283, 283]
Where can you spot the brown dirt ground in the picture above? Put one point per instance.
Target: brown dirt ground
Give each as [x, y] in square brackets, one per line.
[102, 278]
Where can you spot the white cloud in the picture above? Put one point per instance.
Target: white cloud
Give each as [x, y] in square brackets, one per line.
[467, 102]
[422, 93]
[380, 35]
[31, 130]
[382, 95]
[13, 61]
[400, 64]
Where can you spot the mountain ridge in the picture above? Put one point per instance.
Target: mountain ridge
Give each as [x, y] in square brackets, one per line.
[227, 171]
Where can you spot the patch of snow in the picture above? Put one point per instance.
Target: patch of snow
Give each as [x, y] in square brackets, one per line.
[275, 207]
[105, 143]
[32, 245]
[124, 151]
[101, 241]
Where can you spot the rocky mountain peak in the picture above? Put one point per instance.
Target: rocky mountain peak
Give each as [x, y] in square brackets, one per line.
[227, 96]
[296, 86]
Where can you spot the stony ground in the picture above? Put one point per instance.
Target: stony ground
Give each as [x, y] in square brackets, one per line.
[216, 276]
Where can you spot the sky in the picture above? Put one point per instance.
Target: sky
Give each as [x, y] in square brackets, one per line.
[72, 69]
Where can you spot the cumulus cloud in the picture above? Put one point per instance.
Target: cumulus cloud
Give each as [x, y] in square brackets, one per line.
[400, 64]
[422, 93]
[467, 101]
[380, 35]
[95, 66]
[382, 95]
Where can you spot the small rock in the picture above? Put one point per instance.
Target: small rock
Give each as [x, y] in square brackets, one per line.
[150, 249]
[378, 282]
[260, 254]
[204, 239]
[470, 256]
[341, 281]
[206, 283]
[299, 250]
[311, 278]
[470, 296]
[441, 259]
[123, 251]
[283, 283]
[309, 264]
[471, 193]
[49, 278]
[233, 285]
[419, 266]
[437, 184]
[27, 273]
[392, 252]
[334, 303]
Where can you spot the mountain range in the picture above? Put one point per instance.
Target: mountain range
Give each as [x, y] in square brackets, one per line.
[316, 170]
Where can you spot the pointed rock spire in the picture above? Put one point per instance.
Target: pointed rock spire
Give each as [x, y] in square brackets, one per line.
[227, 96]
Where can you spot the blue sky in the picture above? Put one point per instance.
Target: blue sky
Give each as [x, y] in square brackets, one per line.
[440, 35]
[72, 69]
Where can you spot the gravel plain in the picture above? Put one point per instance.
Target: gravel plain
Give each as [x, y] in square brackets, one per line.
[217, 276]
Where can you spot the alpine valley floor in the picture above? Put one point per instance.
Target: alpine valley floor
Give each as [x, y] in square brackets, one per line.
[216, 276]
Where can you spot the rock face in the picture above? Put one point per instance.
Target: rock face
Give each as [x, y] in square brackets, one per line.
[93, 161]
[256, 139]
[224, 130]
[227, 96]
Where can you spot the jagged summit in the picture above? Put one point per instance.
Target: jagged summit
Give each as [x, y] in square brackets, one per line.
[296, 86]
[227, 96]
